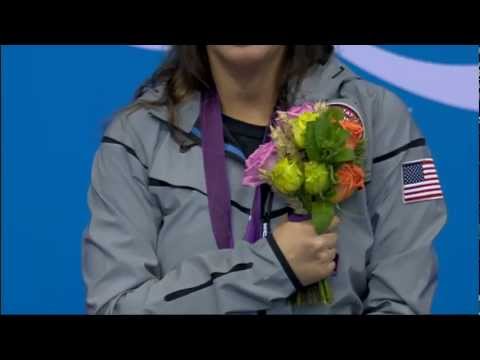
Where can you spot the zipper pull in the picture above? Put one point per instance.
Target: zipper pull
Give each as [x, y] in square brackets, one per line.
[265, 230]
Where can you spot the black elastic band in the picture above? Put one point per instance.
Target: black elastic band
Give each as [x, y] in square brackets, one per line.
[277, 213]
[109, 140]
[345, 82]
[184, 292]
[283, 261]
[175, 128]
[342, 69]
[413, 144]
[161, 183]
[276, 249]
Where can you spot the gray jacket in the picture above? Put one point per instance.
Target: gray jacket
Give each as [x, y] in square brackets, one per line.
[149, 247]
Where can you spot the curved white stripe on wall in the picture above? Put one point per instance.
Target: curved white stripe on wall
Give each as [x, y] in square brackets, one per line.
[452, 85]
[153, 47]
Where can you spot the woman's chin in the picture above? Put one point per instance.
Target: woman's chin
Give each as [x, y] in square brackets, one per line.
[245, 54]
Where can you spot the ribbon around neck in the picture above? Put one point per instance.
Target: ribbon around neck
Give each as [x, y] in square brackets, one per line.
[216, 177]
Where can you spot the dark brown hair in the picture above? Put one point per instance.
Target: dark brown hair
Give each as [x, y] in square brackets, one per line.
[187, 70]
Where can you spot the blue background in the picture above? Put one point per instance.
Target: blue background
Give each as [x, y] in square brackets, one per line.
[55, 102]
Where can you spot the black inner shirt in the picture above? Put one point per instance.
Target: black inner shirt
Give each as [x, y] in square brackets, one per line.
[246, 137]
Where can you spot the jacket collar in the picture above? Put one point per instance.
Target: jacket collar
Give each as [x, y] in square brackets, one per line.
[323, 82]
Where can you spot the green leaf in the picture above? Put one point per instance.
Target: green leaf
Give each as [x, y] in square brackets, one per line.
[333, 177]
[330, 193]
[306, 200]
[360, 149]
[344, 155]
[335, 113]
[322, 216]
[323, 131]
[341, 136]
[311, 148]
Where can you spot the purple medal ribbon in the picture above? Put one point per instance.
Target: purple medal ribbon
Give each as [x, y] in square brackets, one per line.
[298, 218]
[215, 166]
[216, 178]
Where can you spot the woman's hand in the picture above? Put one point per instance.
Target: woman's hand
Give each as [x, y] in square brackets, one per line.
[310, 256]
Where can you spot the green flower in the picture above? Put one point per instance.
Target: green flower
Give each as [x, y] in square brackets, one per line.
[317, 178]
[287, 176]
[299, 127]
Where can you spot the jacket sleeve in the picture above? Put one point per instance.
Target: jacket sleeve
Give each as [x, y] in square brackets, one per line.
[121, 269]
[402, 266]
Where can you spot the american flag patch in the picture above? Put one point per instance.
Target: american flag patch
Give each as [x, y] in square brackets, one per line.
[420, 181]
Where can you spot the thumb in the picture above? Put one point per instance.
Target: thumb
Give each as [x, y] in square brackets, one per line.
[334, 224]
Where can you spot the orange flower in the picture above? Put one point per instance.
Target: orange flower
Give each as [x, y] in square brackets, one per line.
[350, 177]
[355, 128]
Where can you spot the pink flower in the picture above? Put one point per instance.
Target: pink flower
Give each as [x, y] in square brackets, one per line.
[296, 111]
[263, 159]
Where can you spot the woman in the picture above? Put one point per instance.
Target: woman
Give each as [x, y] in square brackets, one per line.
[157, 244]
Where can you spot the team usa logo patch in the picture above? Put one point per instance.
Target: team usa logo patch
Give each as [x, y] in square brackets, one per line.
[420, 181]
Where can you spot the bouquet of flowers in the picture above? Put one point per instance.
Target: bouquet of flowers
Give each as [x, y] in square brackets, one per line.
[314, 159]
